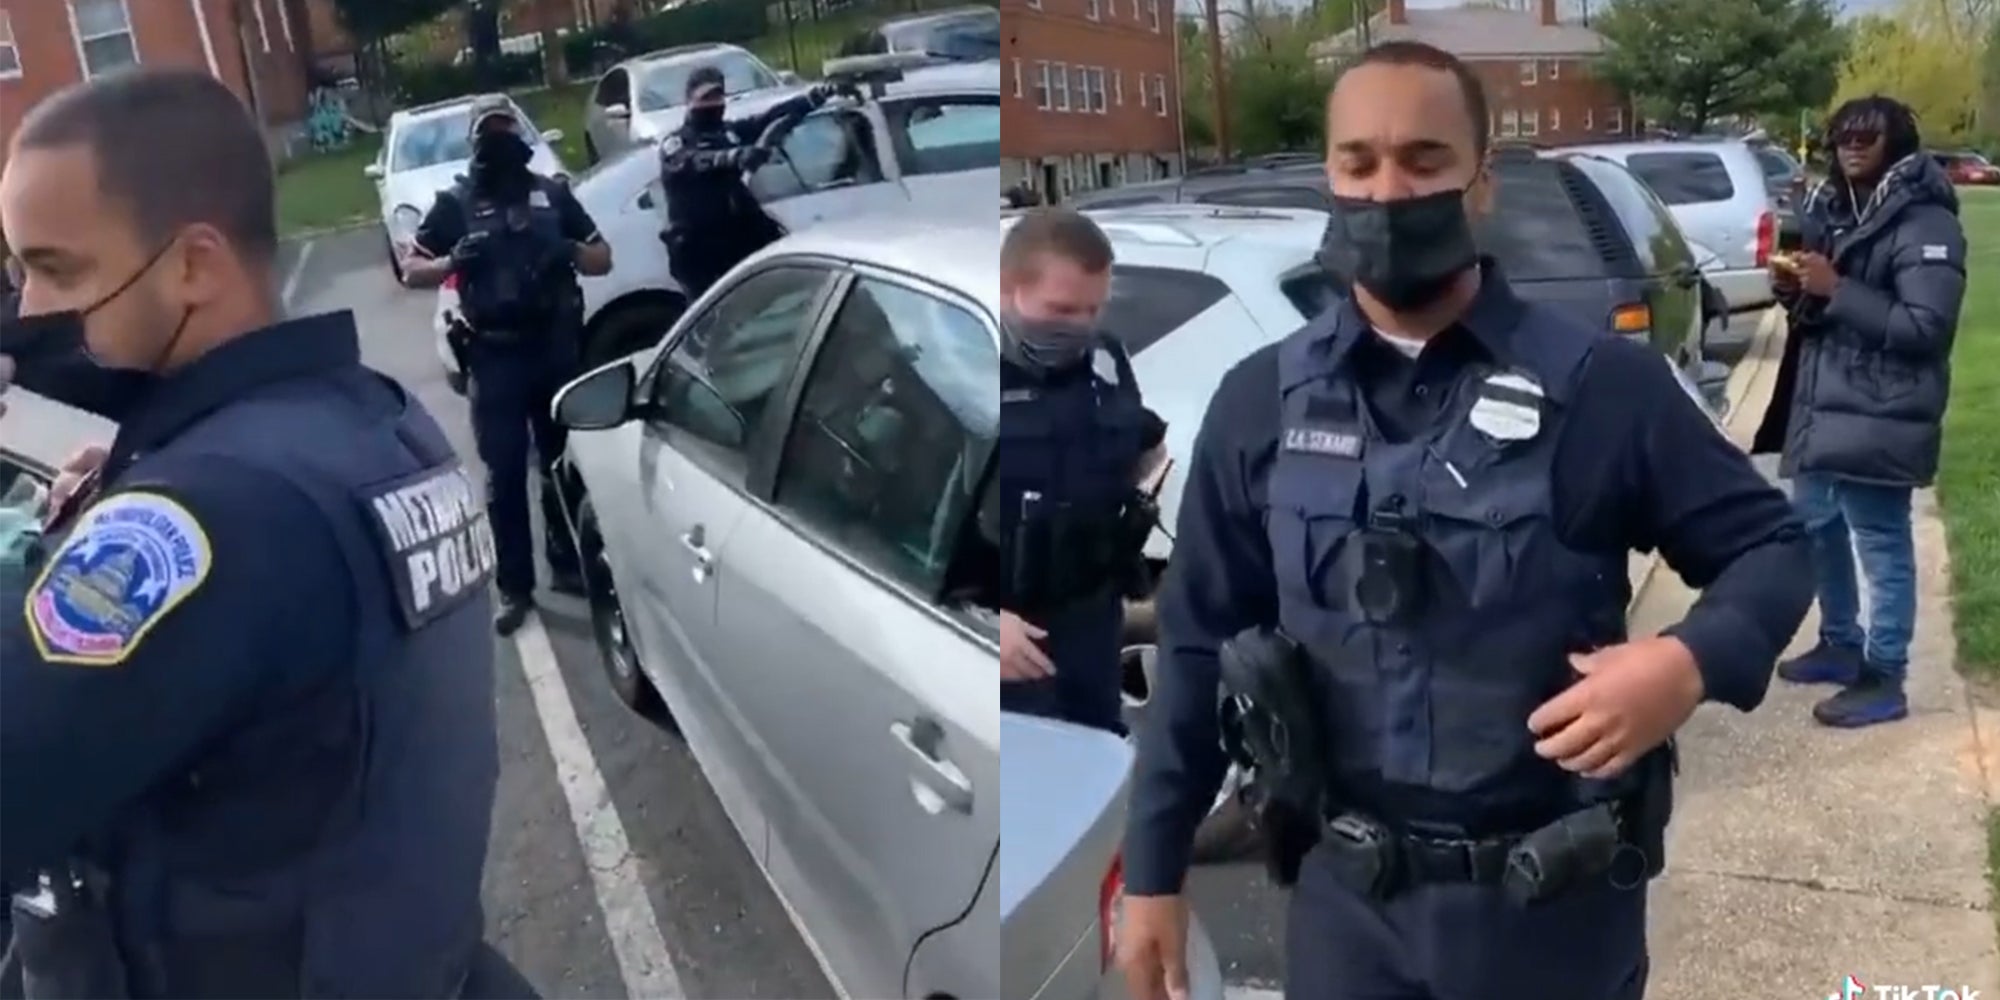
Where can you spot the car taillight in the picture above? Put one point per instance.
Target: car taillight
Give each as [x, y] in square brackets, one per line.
[1767, 238]
[1109, 897]
[1632, 319]
[451, 282]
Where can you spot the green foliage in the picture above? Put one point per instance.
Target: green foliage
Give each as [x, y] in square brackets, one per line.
[374, 20]
[1690, 62]
[1275, 86]
[1917, 53]
[422, 83]
[1989, 98]
[735, 21]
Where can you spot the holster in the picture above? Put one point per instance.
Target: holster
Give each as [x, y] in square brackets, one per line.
[1279, 727]
[66, 940]
[1135, 526]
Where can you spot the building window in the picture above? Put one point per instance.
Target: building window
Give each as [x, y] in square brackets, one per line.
[1059, 72]
[10, 54]
[103, 33]
[1555, 69]
[1118, 86]
[263, 28]
[1531, 123]
[1589, 119]
[1510, 123]
[1091, 9]
[1527, 72]
[1159, 95]
[1042, 85]
[1100, 101]
[285, 23]
[1614, 122]
[1017, 77]
[1081, 75]
[1555, 121]
[1034, 4]
[1153, 14]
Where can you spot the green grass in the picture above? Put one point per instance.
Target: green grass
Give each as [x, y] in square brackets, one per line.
[1969, 481]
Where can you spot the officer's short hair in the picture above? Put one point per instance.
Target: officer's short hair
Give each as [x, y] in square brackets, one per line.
[174, 147]
[1059, 232]
[1404, 53]
[487, 107]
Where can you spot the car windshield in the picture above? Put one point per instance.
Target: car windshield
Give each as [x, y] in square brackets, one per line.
[1147, 303]
[438, 138]
[972, 36]
[665, 86]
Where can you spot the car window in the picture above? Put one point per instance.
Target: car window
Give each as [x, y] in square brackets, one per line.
[1776, 163]
[612, 89]
[823, 151]
[1655, 237]
[1282, 196]
[441, 138]
[23, 492]
[943, 135]
[893, 431]
[666, 86]
[1684, 178]
[722, 373]
[971, 37]
[1147, 303]
[1535, 229]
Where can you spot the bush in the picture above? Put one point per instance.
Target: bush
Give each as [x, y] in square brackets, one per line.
[423, 83]
[588, 53]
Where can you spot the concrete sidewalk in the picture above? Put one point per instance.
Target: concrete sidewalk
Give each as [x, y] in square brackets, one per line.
[1801, 854]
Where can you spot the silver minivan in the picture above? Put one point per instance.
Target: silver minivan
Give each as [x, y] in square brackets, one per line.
[1716, 190]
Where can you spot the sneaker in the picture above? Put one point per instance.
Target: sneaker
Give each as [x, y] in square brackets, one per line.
[1867, 702]
[1823, 664]
[511, 613]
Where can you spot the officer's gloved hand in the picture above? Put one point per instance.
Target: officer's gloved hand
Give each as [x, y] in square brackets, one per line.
[822, 92]
[755, 156]
[468, 249]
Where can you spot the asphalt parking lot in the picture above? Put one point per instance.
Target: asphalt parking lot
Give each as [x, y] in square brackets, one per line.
[613, 870]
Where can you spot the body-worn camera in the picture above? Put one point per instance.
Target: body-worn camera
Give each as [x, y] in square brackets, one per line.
[1388, 566]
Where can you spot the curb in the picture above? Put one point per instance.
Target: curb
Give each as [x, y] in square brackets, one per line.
[1756, 358]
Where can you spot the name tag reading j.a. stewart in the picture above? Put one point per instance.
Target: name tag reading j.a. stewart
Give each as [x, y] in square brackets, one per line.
[1323, 441]
[434, 533]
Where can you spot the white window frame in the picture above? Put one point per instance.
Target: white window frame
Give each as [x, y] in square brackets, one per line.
[1510, 124]
[1093, 10]
[263, 27]
[1556, 120]
[1099, 103]
[1153, 14]
[1590, 119]
[1017, 77]
[7, 42]
[1059, 97]
[1118, 85]
[1080, 85]
[1159, 94]
[76, 35]
[1531, 123]
[1528, 72]
[1616, 122]
[285, 24]
[1555, 71]
[1045, 91]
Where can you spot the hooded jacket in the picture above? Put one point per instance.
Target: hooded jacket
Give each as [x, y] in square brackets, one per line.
[1866, 375]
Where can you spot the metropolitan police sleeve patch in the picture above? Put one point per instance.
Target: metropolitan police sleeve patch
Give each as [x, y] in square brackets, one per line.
[131, 559]
[433, 532]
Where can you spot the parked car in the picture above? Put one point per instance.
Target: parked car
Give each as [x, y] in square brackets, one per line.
[639, 101]
[425, 150]
[970, 34]
[1967, 167]
[816, 439]
[926, 140]
[1785, 178]
[1717, 192]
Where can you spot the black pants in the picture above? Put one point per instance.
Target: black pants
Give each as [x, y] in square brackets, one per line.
[1462, 942]
[492, 977]
[1083, 646]
[511, 387]
[697, 261]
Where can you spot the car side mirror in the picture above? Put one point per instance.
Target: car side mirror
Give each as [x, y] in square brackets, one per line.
[598, 401]
[617, 111]
[552, 136]
[373, 171]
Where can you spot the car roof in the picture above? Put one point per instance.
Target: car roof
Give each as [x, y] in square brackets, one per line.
[935, 15]
[949, 76]
[1192, 237]
[438, 109]
[1725, 148]
[910, 245]
[681, 53]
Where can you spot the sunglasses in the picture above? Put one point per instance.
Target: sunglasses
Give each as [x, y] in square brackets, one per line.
[1859, 138]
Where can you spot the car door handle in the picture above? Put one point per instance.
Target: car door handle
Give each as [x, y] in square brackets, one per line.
[937, 784]
[695, 542]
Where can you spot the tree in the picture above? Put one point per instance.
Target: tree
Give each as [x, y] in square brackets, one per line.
[1691, 62]
[1989, 104]
[370, 21]
[1917, 53]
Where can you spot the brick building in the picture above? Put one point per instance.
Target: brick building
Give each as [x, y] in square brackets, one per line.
[260, 48]
[1536, 67]
[1090, 94]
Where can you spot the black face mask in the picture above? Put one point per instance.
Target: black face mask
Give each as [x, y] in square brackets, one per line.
[705, 116]
[1405, 252]
[500, 157]
[52, 357]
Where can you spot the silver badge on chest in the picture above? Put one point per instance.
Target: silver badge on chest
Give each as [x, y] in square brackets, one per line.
[1508, 408]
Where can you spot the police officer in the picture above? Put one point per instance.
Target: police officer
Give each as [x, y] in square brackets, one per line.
[713, 221]
[247, 735]
[1075, 443]
[1408, 524]
[517, 241]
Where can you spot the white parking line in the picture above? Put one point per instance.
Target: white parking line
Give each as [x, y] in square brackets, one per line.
[615, 872]
[298, 271]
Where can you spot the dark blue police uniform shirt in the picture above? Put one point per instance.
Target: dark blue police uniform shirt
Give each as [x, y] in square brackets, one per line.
[445, 223]
[1639, 466]
[244, 597]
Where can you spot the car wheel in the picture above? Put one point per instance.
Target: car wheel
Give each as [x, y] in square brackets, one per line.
[395, 265]
[607, 623]
[631, 328]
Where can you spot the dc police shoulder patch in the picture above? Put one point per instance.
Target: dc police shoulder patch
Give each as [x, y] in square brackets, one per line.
[131, 559]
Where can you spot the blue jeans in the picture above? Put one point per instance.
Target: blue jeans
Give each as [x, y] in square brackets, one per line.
[1844, 518]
